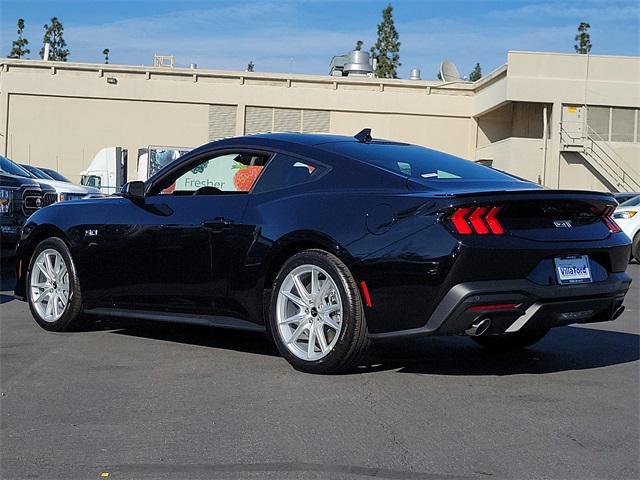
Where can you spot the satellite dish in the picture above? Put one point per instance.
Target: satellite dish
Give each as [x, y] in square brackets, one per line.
[449, 72]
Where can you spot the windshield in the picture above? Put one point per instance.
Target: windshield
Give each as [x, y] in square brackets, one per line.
[36, 172]
[55, 175]
[11, 168]
[91, 181]
[632, 202]
[416, 162]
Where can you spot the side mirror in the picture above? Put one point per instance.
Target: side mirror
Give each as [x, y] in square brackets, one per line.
[133, 190]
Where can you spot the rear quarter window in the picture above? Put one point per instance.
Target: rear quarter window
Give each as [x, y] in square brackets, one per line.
[416, 162]
[284, 171]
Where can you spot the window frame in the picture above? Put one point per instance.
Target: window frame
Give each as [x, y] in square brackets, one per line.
[186, 165]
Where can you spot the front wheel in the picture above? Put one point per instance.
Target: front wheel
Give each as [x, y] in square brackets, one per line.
[635, 247]
[53, 290]
[316, 315]
[511, 341]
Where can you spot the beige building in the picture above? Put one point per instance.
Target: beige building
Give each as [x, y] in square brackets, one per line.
[567, 121]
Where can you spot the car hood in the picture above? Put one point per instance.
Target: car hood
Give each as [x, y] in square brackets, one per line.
[13, 181]
[65, 187]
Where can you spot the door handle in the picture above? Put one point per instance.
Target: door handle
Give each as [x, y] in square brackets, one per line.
[218, 223]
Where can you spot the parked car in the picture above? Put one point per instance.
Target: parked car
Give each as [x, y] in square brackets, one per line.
[627, 215]
[327, 242]
[622, 197]
[19, 198]
[54, 174]
[64, 189]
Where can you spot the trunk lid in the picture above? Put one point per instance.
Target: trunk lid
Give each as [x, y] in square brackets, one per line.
[537, 214]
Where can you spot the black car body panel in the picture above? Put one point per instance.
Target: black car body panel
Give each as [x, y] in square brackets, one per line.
[199, 256]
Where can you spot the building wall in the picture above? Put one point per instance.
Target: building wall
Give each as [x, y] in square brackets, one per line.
[66, 133]
[62, 114]
[554, 80]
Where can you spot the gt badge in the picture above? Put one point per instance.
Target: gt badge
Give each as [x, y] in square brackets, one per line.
[562, 223]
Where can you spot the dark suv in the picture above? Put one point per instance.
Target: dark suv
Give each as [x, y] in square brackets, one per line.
[19, 198]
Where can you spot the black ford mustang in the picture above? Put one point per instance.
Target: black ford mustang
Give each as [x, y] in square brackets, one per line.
[327, 242]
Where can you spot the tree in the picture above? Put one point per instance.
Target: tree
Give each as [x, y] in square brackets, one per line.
[57, 46]
[387, 47]
[18, 49]
[358, 45]
[439, 76]
[583, 38]
[250, 66]
[105, 52]
[476, 74]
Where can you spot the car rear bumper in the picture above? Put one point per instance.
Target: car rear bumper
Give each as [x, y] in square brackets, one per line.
[514, 305]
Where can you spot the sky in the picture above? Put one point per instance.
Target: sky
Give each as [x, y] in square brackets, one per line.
[301, 36]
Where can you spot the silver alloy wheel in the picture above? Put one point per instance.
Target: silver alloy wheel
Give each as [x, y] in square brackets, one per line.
[309, 312]
[49, 288]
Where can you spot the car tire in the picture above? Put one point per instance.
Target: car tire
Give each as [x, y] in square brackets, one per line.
[635, 247]
[511, 341]
[331, 338]
[65, 304]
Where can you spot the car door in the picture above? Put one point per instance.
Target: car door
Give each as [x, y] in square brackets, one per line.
[185, 252]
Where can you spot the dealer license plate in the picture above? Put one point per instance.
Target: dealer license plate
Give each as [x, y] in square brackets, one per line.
[573, 269]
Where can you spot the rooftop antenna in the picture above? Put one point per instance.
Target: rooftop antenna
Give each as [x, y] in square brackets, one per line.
[364, 135]
[449, 72]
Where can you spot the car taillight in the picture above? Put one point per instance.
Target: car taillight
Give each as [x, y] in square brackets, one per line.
[479, 220]
[608, 221]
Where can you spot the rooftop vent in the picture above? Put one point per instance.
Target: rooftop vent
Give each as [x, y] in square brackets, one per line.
[415, 74]
[355, 64]
[164, 61]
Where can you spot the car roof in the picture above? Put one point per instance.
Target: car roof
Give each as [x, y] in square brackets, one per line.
[307, 139]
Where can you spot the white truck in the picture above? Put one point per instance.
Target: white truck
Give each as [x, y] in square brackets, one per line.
[108, 169]
[155, 157]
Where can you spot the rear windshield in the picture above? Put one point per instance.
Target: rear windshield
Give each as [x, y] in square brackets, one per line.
[416, 162]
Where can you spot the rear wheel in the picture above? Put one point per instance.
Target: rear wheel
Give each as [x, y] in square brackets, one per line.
[316, 315]
[53, 291]
[511, 341]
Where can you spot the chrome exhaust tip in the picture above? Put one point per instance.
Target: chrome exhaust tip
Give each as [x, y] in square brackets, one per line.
[617, 312]
[478, 327]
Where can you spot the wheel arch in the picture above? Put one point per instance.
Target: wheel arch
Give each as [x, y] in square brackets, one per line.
[296, 242]
[26, 248]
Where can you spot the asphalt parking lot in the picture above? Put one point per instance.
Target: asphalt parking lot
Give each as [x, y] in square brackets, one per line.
[143, 400]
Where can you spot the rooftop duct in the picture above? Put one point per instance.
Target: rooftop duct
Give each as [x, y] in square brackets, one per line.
[355, 64]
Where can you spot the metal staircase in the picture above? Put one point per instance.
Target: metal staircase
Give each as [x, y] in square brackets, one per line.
[601, 156]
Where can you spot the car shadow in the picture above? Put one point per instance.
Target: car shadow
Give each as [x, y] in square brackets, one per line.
[250, 342]
[563, 349]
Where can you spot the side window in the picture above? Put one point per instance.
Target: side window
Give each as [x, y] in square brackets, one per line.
[284, 171]
[229, 173]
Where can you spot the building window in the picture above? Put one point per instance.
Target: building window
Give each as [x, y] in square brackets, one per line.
[622, 124]
[598, 122]
[614, 124]
[269, 119]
